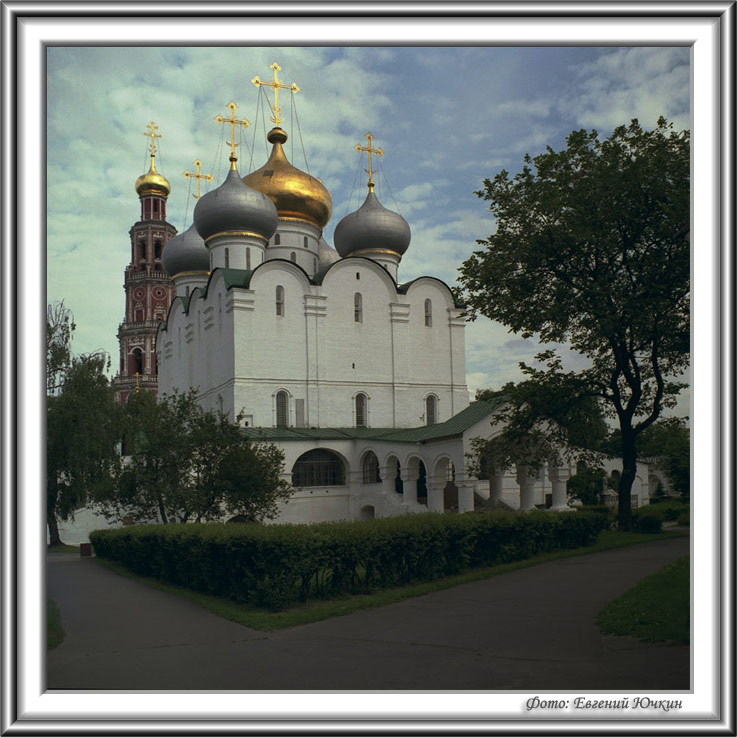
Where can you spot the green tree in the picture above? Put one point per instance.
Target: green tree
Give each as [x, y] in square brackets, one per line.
[82, 431]
[592, 250]
[59, 329]
[188, 465]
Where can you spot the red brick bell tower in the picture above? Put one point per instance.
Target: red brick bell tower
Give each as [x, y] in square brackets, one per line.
[148, 289]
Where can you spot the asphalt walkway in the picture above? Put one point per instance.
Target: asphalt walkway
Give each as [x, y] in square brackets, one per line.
[531, 629]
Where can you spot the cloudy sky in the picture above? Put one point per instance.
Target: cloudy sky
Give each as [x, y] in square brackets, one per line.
[446, 119]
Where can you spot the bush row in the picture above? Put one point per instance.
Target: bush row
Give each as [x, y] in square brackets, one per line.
[274, 566]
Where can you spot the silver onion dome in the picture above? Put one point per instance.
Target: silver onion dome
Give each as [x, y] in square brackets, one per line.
[235, 208]
[185, 252]
[372, 227]
[326, 255]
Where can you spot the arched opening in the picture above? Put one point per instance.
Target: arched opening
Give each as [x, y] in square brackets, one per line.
[318, 467]
[361, 418]
[428, 313]
[370, 468]
[282, 409]
[305, 242]
[293, 257]
[421, 484]
[248, 258]
[368, 512]
[280, 301]
[277, 239]
[357, 307]
[394, 471]
[157, 250]
[450, 491]
[136, 362]
[431, 410]
[227, 258]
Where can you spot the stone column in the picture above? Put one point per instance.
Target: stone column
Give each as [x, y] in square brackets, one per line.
[388, 475]
[409, 485]
[558, 476]
[435, 502]
[465, 496]
[526, 478]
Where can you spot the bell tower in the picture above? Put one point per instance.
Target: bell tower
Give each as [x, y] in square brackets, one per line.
[148, 289]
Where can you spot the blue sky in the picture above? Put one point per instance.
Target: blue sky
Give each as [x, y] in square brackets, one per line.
[446, 118]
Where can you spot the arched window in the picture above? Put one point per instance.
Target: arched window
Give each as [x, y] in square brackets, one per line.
[318, 467]
[431, 410]
[280, 301]
[370, 468]
[357, 307]
[361, 410]
[157, 249]
[293, 257]
[227, 258]
[305, 242]
[137, 363]
[282, 409]
[277, 239]
[187, 292]
[248, 258]
[428, 313]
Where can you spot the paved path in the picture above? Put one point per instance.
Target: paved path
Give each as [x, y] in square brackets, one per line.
[532, 629]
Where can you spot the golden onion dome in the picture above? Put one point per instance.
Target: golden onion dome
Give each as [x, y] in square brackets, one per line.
[152, 182]
[295, 193]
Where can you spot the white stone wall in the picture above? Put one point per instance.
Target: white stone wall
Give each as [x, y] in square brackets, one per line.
[233, 345]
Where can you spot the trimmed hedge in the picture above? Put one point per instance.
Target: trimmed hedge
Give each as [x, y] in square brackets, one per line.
[274, 566]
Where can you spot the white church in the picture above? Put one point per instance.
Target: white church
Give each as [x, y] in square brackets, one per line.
[357, 376]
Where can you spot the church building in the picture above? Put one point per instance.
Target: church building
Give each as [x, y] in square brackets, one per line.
[358, 376]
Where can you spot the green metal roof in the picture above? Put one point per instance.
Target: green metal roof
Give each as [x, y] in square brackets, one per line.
[456, 425]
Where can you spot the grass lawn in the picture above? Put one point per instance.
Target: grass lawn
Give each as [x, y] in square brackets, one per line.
[658, 608]
[54, 631]
[63, 548]
[314, 611]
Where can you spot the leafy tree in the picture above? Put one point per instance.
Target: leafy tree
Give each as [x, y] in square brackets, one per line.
[592, 249]
[82, 430]
[188, 465]
[59, 329]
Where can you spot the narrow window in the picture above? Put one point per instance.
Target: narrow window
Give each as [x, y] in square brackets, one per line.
[156, 205]
[357, 307]
[293, 257]
[428, 313]
[227, 258]
[282, 405]
[358, 275]
[360, 410]
[248, 258]
[305, 242]
[431, 410]
[277, 239]
[157, 250]
[187, 294]
[280, 301]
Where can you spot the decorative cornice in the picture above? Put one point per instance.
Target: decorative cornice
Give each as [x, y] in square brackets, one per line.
[237, 234]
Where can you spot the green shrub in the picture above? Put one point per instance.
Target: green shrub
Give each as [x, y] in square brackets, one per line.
[274, 566]
[646, 521]
[685, 520]
[607, 514]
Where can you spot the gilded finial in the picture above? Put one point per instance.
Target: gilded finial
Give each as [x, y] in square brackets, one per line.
[153, 135]
[197, 176]
[277, 85]
[370, 151]
[233, 122]
[137, 377]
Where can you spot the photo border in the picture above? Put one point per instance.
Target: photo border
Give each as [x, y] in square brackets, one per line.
[25, 710]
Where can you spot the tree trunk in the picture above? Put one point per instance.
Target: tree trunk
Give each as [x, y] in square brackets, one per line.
[54, 538]
[162, 511]
[629, 471]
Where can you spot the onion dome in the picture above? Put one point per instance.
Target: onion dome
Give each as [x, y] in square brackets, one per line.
[295, 193]
[372, 228]
[185, 252]
[235, 209]
[152, 182]
[325, 254]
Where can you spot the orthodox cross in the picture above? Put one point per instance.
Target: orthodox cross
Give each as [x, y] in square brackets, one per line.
[153, 135]
[277, 85]
[233, 122]
[197, 176]
[369, 151]
[137, 377]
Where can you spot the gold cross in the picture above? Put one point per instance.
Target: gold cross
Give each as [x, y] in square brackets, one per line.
[369, 151]
[233, 122]
[137, 375]
[152, 134]
[277, 85]
[197, 176]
